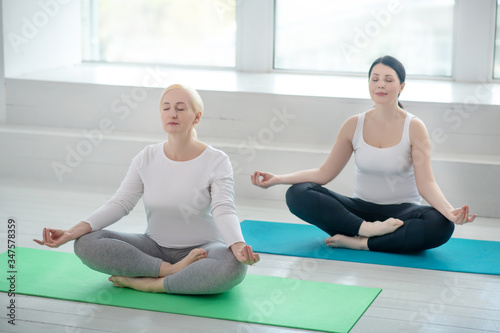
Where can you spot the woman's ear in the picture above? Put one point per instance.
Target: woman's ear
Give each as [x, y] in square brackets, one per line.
[197, 118]
[402, 87]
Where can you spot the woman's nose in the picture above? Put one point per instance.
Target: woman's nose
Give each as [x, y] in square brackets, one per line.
[172, 113]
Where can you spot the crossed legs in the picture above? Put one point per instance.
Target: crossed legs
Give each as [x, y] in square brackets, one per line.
[356, 224]
[136, 261]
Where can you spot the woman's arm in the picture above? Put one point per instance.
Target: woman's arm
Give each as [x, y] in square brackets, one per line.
[337, 159]
[56, 237]
[424, 177]
[228, 226]
[224, 212]
[124, 199]
[114, 209]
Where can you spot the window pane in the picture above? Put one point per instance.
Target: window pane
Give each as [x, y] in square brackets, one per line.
[180, 32]
[346, 36]
[496, 65]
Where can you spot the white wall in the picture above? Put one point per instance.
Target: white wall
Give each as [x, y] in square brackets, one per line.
[40, 35]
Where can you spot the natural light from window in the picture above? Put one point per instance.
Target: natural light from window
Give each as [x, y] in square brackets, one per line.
[346, 36]
[173, 32]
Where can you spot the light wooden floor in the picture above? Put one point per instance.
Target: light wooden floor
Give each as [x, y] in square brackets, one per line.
[412, 300]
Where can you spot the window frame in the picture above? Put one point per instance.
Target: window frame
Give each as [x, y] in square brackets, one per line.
[497, 5]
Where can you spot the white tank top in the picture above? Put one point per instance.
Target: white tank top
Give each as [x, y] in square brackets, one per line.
[384, 175]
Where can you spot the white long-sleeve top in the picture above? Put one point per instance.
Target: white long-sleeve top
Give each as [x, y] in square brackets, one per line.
[187, 203]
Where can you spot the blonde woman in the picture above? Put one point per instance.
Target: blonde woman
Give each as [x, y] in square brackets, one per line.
[193, 242]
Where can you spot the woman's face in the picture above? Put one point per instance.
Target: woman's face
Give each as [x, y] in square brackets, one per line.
[177, 114]
[384, 85]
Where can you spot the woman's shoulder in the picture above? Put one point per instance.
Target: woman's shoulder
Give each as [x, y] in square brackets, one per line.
[352, 121]
[149, 152]
[152, 149]
[348, 129]
[215, 154]
[418, 130]
[415, 121]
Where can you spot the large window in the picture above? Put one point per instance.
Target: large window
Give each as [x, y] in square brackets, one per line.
[346, 36]
[433, 38]
[174, 32]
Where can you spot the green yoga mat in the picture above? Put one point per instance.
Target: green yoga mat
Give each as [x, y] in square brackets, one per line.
[300, 240]
[257, 300]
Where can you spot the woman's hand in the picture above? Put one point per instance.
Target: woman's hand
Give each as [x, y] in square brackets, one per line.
[54, 237]
[263, 179]
[461, 215]
[57, 237]
[244, 253]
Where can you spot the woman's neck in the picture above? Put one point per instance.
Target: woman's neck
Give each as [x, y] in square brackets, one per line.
[183, 148]
[388, 111]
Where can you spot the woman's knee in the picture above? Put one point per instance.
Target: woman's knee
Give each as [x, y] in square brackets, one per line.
[441, 229]
[80, 244]
[234, 276]
[295, 195]
[447, 228]
[87, 243]
[231, 272]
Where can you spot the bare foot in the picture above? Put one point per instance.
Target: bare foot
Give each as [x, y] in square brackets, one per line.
[346, 242]
[146, 284]
[378, 228]
[169, 269]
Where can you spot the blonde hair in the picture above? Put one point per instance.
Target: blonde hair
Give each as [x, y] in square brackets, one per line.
[194, 99]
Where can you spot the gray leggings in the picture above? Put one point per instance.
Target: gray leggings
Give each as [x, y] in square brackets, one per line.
[137, 255]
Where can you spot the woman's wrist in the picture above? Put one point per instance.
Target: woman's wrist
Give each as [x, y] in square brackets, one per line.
[79, 230]
[237, 246]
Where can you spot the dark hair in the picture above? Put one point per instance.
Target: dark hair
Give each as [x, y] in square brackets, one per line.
[394, 64]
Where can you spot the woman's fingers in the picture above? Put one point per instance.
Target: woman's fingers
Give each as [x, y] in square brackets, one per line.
[258, 178]
[45, 237]
[469, 218]
[257, 258]
[255, 177]
[463, 215]
[250, 257]
[252, 178]
[53, 237]
[48, 235]
[249, 253]
[39, 242]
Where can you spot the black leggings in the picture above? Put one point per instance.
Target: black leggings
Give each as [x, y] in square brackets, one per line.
[424, 227]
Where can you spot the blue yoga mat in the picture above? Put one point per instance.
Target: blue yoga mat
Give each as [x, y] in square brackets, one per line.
[457, 255]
